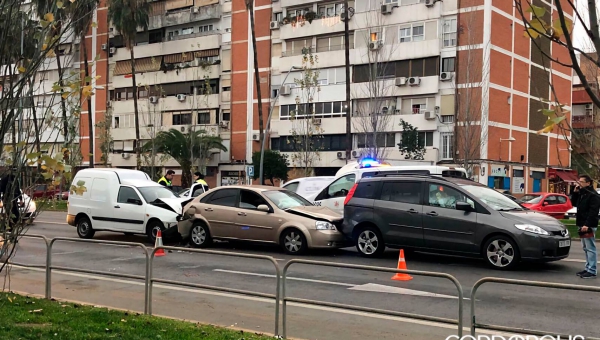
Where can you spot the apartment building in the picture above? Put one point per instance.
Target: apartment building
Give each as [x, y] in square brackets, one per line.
[424, 58]
[183, 72]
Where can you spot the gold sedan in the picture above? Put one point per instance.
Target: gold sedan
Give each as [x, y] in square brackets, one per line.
[260, 214]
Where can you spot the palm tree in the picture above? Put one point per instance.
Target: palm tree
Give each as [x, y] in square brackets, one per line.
[127, 16]
[186, 149]
[250, 7]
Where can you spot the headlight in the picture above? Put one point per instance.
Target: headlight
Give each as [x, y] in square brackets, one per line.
[532, 229]
[322, 225]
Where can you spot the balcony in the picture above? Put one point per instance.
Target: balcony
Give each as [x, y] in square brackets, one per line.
[209, 40]
[319, 26]
[428, 85]
[184, 16]
[160, 77]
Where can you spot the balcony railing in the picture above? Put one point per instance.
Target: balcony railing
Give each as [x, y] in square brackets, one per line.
[315, 49]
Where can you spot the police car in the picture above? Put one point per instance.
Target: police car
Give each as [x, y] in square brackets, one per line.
[333, 195]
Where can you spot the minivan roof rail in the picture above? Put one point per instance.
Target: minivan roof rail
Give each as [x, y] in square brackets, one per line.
[417, 174]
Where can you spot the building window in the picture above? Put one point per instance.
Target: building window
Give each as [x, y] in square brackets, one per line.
[414, 32]
[425, 138]
[447, 145]
[296, 12]
[203, 118]
[448, 64]
[375, 35]
[333, 43]
[116, 125]
[382, 140]
[447, 119]
[182, 119]
[297, 46]
[205, 28]
[226, 116]
[187, 30]
[278, 16]
[331, 10]
[142, 92]
[418, 108]
[449, 32]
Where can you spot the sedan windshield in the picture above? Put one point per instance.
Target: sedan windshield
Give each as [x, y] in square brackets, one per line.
[492, 198]
[151, 194]
[285, 199]
[531, 199]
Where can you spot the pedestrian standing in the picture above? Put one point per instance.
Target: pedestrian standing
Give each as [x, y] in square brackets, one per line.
[11, 195]
[588, 207]
[167, 179]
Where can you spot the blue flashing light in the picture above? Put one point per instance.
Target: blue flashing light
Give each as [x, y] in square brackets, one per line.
[367, 163]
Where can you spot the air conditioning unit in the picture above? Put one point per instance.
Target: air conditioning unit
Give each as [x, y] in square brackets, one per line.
[224, 124]
[194, 10]
[414, 81]
[181, 97]
[317, 121]
[430, 3]
[104, 47]
[112, 50]
[274, 25]
[341, 155]
[356, 154]
[589, 106]
[182, 129]
[429, 115]
[154, 99]
[375, 45]
[125, 155]
[256, 137]
[286, 90]
[446, 76]
[387, 9]
[400, 81]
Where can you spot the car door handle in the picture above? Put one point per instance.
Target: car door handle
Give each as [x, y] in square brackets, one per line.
[241, 214]
[118, 207]
[432, 213]
[412, 211]
[208, 209]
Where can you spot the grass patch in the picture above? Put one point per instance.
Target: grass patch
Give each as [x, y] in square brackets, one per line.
[52, 205]
[30, 318]
[570, 224]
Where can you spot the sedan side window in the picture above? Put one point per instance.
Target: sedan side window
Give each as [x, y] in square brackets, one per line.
[446, 197]
[341, 187]
[127, 195]
[224, 197]
[251, 200]
[562, 200]
[551, 200]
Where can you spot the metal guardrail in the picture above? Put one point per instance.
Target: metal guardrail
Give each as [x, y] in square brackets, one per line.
[475, 325]
[46, 241]
[151, 280]
[285, 298]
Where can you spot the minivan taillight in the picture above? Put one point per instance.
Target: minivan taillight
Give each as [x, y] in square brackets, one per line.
[350, 194]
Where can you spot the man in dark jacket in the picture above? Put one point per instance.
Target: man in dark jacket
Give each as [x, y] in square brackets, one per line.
[11, 194]
[588, 206]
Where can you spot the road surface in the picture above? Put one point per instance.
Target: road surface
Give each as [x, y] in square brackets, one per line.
[531, 308]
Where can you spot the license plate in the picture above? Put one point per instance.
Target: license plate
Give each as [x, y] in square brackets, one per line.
[565, 243]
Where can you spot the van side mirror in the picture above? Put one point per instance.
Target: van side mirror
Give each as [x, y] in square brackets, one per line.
[264, 208]
[463, 206]
[134, 201]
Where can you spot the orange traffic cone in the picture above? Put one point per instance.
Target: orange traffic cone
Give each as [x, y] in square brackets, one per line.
[402, 266]
[158, 243]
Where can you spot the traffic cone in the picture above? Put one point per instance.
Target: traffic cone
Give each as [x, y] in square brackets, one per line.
[402, 266]
[158, 243]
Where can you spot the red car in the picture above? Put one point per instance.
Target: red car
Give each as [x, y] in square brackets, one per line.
[555, 205]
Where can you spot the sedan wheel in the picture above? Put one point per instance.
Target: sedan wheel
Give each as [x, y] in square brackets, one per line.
[370, 242]
[501, 253]
[200, 236]
[293, 242]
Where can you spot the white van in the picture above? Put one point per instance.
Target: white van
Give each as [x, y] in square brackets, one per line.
[124, 201]
[307, 186]
[196, 189]
[334, 194]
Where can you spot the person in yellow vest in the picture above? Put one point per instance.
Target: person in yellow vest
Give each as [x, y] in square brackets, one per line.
[167, 179]
[199, 177]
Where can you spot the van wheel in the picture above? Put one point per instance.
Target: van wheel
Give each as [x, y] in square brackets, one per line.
[152, 230]
[293, 241]
[501, 252]
[369, 242]
[200, 236]
[84, 228]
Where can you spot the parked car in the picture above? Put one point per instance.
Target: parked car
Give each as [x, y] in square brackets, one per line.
[122, 200]
[555, 205]
[27, 207]
[62, 196]
[572, 213]
[307, 186]
[449, 215]
[196, 189]
[263, 214]
[44, 191]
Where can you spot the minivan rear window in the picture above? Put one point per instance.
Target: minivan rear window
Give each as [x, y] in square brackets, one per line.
[368, 190]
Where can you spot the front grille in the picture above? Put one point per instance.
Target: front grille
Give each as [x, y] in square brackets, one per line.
[557, 233]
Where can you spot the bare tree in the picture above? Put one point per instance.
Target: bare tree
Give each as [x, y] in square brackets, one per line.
[306, 135]
[373, 113]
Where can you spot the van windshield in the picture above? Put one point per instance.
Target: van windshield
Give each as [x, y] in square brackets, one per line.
[151, 194]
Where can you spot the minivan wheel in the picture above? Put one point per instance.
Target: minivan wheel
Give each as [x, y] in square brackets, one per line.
[200, 236]
[369, 242]
[152, 230]
[84, 228]
[501, 252]
[293, 242]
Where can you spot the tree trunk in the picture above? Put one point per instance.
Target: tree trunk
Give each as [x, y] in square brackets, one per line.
[63, 104]
[89, 104]
[256, 73]
[136, 115]
[186, 176]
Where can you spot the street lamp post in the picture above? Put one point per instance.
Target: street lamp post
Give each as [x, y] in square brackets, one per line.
[267, 130]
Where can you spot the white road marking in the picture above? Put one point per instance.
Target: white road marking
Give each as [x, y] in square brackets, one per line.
[373, 287]
[67, 253]
[574, 260]
[251, 298]
[287, 278]
[48, 222]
